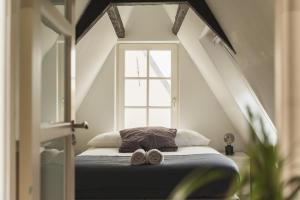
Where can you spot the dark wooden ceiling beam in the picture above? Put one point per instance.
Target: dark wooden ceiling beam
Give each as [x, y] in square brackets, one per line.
[93, 12]
[97, 8]
[203, 11]
[116, 21]
[180, 15]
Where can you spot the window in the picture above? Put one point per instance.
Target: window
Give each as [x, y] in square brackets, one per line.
[147, 85]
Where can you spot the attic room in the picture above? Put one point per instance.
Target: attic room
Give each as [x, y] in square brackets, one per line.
[160, 65]
[164, 99]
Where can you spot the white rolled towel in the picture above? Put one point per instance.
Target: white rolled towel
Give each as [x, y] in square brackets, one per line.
[138, 157]
[154, 157]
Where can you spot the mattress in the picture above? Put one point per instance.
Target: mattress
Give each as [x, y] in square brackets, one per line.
[181, 151]
[105, 173]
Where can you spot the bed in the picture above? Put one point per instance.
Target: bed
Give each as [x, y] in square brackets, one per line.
[104, 173]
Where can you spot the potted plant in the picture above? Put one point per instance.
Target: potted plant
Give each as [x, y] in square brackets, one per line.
[266, 173]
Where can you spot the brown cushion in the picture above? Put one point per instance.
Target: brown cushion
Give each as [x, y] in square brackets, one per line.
[148, 138]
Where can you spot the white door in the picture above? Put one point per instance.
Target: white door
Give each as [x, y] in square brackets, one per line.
[46, 101]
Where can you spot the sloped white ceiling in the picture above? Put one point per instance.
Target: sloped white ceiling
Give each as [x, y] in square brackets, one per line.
[229, 86]
[249, 25]
[92, 50]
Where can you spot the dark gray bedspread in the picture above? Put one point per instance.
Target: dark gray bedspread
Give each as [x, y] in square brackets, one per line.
[111, 177]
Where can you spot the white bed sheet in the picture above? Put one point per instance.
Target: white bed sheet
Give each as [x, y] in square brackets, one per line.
[181, 151]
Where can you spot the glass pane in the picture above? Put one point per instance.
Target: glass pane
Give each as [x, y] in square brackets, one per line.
[135, 63]
[53, 76]
[60, 5]
[53, 169]
[135, 92]
[160, 63]
[160, 117]
[160, 92]
[135, 117]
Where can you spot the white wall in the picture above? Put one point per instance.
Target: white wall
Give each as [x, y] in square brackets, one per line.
[149, 23]
[91, 52]
[199, 109]
[98, 106]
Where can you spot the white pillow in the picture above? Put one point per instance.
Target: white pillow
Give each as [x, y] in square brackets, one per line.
[185, 137]
[106, 140]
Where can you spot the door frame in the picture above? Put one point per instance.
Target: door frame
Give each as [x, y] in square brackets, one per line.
[11, 46]
[32, 133]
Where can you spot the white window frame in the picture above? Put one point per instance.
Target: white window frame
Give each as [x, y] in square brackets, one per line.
[120, 78]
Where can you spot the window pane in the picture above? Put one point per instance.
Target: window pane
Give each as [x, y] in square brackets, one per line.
[160, 117]
[135, 63]
[160, 92]
[135, 117]
[135, 93]
[160, 63]
[53, 76]
[53, 169]
[60, 5]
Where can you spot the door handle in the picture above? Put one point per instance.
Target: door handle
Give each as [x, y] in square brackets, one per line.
[83, 125]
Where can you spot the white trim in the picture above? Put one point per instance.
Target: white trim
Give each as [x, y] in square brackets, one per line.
[178, 90]
[175, 86]
[287, 47]
[147, 42]
[169, 107]
[57, 72]
[12, 44]
[147, 94]
[116, 104]
[50, 132]
[3, 68]
[29, 169]
[12, 89]
[120, 62]
[54, 19]
[150, 78]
